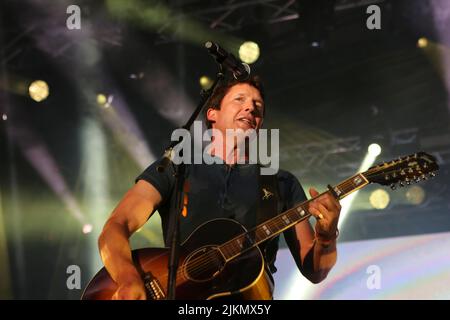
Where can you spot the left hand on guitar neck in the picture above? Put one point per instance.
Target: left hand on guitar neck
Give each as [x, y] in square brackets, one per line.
[326, 210]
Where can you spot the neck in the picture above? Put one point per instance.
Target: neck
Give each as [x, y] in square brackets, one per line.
[230, 153]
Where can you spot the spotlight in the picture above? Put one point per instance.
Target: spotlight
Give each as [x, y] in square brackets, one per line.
[87, 228]
[4, 117]
[205, 82]
[372, 153]
[101, 99]
[415, 195]
[139, 75]
[374, 149]
[38, 90]
[422, 42]
[104, 101]
[249, 52]
[379, 199]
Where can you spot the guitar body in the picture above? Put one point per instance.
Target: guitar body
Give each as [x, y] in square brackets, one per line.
[203, 272]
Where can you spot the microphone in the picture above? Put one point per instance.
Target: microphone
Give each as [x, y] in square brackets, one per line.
[240, 70]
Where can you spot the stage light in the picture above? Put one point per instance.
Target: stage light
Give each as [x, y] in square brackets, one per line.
[422, 42]
[379, 199]
[87, 228]
[94, 181]
[101, 99]
[415, 195]
[205, 82]
[4, 117]
[104, 101]
[139, 75]
[374, 149]
[372, 153]
[122, 123]
[249, 52]
[38, 90]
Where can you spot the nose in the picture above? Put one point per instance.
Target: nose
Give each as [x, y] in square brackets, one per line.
[253, 110]
[249, 107]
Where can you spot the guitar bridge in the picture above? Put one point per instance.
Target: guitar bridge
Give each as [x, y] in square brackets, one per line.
[154, 289]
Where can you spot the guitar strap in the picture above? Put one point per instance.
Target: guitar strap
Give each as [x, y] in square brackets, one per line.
[268, 207]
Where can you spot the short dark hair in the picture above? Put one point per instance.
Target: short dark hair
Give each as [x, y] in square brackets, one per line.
[223, 88]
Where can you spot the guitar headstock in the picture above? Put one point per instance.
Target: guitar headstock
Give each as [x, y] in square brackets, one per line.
[403, 171]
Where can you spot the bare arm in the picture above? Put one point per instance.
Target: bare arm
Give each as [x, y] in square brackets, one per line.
[315, 255]
[131, 213]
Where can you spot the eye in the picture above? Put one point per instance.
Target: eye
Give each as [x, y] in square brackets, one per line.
[240, 99]
[259, 106]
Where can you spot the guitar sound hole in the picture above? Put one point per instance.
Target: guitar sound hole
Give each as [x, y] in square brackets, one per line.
[204, 264]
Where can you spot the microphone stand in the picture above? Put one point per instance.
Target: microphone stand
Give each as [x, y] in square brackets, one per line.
[180, 176]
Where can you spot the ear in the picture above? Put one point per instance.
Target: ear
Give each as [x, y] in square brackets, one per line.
[211, 115]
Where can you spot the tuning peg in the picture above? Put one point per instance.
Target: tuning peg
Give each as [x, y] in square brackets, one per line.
[432, 174]
[393, 186]
[401, 184]
[386, 177]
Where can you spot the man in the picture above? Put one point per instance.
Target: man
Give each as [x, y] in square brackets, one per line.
[220, 190]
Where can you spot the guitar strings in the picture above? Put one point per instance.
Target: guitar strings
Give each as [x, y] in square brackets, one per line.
[201, 263]
[204, 261]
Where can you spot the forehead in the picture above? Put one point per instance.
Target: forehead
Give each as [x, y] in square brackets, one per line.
[245, 89]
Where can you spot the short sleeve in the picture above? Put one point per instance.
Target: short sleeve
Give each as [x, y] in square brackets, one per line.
[291, 189]
[162, 181]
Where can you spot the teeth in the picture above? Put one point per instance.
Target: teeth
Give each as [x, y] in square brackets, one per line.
[246, 120]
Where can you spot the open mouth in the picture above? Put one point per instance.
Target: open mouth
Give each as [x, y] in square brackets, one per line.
[250, 123]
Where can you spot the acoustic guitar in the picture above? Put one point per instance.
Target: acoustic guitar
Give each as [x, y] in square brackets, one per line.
[221, 259]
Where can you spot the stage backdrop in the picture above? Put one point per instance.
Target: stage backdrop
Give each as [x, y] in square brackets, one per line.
[414, 267]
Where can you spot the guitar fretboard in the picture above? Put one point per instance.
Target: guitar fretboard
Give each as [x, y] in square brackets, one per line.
[284, 221]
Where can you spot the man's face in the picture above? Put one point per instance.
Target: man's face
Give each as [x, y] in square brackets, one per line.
[241, 108]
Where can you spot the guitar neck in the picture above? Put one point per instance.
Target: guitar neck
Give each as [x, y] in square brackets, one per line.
[285, 220]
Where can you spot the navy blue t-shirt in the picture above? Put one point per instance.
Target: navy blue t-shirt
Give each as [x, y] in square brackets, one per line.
[220, 191]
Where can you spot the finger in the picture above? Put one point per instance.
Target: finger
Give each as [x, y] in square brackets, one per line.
[329, 202]
[319, 207]
[313, 205]
[323, 209]
[316, 213]
[313, 192]
[329, 214]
